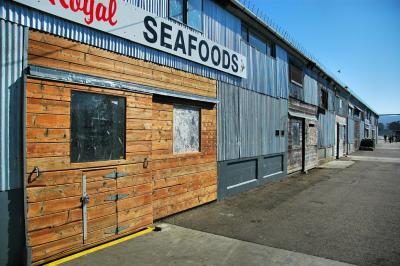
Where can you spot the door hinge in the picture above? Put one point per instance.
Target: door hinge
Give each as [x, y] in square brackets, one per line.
[116, 197]
[115, 175]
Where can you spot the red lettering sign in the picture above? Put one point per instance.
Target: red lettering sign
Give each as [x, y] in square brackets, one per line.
[93, 11]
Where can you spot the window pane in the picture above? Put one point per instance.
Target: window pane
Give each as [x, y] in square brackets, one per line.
[296, 75]
[244, 33]
[186, 129]
[195, 18]
[176, 9]
[296, 134]
[257, 42]
[97, 127]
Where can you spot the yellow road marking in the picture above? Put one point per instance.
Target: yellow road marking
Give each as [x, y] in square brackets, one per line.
[103, 246]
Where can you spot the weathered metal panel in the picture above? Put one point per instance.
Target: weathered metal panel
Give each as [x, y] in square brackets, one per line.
[219, 26]
[311, 94]
[247, 123]
[260, 117]
[282, 71]
[239, 175]
[351, 132]
[228, 122]
[326, 129]
[11, 87]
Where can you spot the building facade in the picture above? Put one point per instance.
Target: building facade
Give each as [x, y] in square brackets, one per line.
[118, 113]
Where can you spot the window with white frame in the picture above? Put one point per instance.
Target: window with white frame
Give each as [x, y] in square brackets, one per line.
[186, 135]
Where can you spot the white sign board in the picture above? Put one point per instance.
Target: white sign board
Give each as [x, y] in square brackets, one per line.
[129, 22]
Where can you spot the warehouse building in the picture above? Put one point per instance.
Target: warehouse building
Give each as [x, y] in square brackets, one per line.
[117, 113]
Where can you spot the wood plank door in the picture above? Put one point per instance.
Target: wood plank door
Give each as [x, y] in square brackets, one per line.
[99, 210]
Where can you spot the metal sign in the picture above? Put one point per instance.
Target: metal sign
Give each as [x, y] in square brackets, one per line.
[122, 19]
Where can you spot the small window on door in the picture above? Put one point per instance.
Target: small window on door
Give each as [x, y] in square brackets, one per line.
[97, 127]
[186, 129]
[296, 134]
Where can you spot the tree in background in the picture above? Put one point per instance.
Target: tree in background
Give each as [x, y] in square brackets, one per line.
[394, 126]
[381, 127]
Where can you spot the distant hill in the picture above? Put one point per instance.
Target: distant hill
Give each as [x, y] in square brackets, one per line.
[386, 119]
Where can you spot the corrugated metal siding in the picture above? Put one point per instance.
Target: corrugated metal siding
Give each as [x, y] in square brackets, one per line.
[282, 71]
[326, 129]
[351, 132]
[362, 130]
[311, 94]
[219, 26]
[11, 86]
[247, 122]
[228, 122]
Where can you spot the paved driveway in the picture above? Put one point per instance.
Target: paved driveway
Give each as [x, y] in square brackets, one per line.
[350, 215]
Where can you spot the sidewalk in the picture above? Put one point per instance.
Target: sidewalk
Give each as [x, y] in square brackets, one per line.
[176, 245]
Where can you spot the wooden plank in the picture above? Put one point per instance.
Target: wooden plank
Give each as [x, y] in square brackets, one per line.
[53, 206]
[49, 92]
[54, 178]
[130, 203]
[138, 135]
[47, 235]
[48, 249]
[130, 214]
[102, 222]
[132, 123]
[44, 106]
[46, 135]
[36, 194]
[130, 181]
[105, 185]
[38, 150]
[184, 170]
[138, 146]
[137, 223]
[54, 220]
[107, 60]
[139, 113]
[101, 210]
[47, 121]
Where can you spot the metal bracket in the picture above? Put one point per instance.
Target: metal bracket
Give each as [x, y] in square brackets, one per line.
[116, 197]
[116, 230]
[36, 170]
[85, 201]
[115, 175]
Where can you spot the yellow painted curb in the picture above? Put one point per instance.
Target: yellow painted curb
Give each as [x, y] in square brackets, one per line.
[103, 246]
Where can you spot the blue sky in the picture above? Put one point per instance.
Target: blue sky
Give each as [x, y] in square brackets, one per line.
[359, 37]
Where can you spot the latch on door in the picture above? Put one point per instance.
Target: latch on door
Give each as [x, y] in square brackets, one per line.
[115, 175]
[85, 200]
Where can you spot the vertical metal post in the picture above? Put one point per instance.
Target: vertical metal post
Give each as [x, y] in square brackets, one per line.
[84, 208]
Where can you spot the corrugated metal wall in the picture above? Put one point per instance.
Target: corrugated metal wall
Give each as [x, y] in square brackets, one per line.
[11, 88]
[326, 129]
[247, 122]
[228, 122]
[362, 130]
[219, 26]
[351, 132]
[311, 94]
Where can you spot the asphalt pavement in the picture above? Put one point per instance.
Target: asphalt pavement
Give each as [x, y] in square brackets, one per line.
[343, 213]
